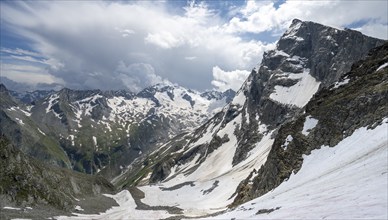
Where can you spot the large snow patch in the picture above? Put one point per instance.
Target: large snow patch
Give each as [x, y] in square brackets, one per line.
[348, 181]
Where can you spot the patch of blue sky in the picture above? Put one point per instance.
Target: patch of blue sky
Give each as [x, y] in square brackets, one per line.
[278, 3]
[9, 39]
[358, 23]
[225, 9]
[177, 7]
[362, 22]
[16, 50]
[265, 37]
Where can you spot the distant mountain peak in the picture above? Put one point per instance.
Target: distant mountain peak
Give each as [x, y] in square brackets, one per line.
[3, 88]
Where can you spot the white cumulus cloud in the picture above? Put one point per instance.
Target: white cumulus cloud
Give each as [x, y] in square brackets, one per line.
[224, 80]
[136, 74]
[260, 16]
[105, 44]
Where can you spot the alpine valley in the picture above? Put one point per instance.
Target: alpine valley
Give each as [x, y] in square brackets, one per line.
[305, 137]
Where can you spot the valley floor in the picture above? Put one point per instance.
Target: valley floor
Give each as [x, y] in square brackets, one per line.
[348, 181]
[89, 205]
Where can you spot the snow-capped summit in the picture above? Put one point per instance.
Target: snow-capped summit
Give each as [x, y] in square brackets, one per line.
[166, 95]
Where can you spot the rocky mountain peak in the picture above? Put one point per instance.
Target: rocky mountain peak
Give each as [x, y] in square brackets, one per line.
[3, 88]
[357, 100]
[213, 94]
[326, 49]
[118, 93]
[76, 95]
[6, 100]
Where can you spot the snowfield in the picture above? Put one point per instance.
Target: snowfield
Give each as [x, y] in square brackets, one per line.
[308, 125]
[125, 210]
[348, 181]
[298, 94]
[214, 181]
[212, 188]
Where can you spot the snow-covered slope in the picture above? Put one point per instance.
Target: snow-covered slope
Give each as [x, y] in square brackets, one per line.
[187, 108]
[347, 181]
[333, 114]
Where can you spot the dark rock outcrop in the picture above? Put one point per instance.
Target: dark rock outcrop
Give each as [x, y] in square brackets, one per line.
[325, 52]
[358, 100]
[27, 182]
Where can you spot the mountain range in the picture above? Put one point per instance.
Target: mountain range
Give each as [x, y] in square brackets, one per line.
[304, 137]
[96, 131]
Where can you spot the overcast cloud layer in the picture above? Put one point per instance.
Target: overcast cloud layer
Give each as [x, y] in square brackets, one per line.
[116, 45]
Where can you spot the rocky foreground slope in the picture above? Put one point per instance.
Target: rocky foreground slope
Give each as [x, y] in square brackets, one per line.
[29, 184]
[18, 127]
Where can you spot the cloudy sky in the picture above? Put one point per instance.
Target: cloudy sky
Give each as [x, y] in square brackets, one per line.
[130, 45]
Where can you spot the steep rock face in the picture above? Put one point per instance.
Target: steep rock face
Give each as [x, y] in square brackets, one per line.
[6, 100]
[25, 134]
[27, 182]
[308, 58]
[359, 99]
[327, 48]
